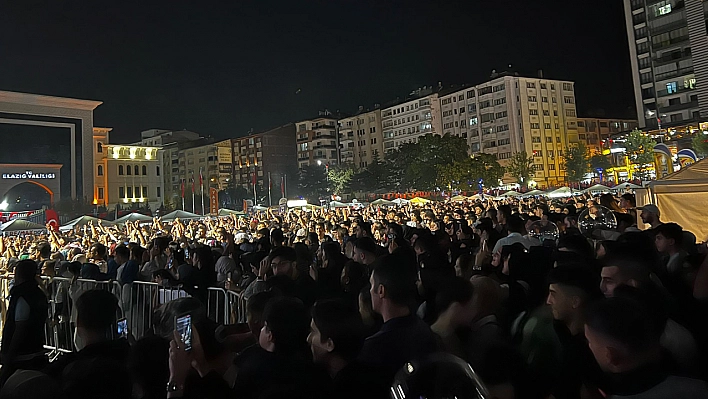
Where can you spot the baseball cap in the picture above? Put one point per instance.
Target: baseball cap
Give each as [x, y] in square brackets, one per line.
[650, 208]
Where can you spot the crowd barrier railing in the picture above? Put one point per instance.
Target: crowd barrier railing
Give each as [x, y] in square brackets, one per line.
[138, 302]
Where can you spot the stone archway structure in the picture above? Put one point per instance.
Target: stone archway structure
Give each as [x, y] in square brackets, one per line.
[42, 175]
[56, 112]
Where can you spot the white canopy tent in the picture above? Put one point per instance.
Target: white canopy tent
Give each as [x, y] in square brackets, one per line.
[626, 186]
[400, 201]
[597, 188]
[533, 192]
[184, 215]
[561, 192]
[382, 202]
[510, 194]
[337, 204]
[20, 225]
[682, 197]
[229, 212]
[133, 217]
[83, 221]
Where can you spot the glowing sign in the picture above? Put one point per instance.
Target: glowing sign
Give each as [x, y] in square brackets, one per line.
[28, 174]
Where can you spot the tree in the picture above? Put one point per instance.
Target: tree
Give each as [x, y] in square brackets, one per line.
[467, 173]
[599, 163]
[416, 165]
[520, 167]
[339, 178]
[700, 144]
[576, 163]
[640, 149]
[312, 182]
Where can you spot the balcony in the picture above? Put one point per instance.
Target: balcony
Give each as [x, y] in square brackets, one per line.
[679, 107]
[679, 90]
[673, 74]
[325, 146]
[673, 56]
[637, 4]
[670, 42]
[325, 136]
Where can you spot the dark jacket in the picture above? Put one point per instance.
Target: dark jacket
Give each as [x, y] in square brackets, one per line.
[357, 381]
[32, 341]
[400, 340]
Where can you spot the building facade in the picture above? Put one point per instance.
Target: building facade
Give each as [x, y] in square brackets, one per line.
[361, 138]
[407, 121]
[201, 162]
[595, 132]
[669, 54]
[270, 157]
[129, 174]
[510, 114]
[316, 141]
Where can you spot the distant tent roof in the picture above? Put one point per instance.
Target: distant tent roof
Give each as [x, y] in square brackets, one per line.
[337, 204]
[533, 192]
[561, 192]
[382, 201]
[458, 198]
[179, 215]
[83, 221]
[510, 194]
[597, 188]
[20, 225]
[133, 217]
[399, 201]
[419, 201]
[626, 186]
[228, 212]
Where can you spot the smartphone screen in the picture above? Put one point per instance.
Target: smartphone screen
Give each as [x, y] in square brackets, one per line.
[122, 328]
[183, 325]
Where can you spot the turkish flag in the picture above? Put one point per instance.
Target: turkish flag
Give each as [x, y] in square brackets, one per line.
[52, 218]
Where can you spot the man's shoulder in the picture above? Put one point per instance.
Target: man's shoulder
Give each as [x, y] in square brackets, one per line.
[673, 387]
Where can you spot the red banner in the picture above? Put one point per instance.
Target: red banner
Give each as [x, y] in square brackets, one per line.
[213, 201]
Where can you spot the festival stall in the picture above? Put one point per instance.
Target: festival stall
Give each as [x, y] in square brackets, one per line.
[419, 201]
[511, 193]
[383, 202]
[562, 192]
[533, 193]
[596, 189]
[682, 197]
[229, 212]
[626, 187]
[182, 215]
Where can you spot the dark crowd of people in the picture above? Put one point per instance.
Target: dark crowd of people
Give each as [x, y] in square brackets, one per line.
[449, 299]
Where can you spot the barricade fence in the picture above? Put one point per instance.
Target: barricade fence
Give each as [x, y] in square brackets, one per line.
[138, 302]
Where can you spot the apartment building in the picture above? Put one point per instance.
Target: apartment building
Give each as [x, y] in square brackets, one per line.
[669, 54]
[595, 132]
[317, 141]
[361, 138]
[407, 121]
[269, 155]
[509, 114]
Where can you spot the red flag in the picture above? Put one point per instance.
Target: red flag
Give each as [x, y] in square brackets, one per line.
[182, 181]
[254, 178]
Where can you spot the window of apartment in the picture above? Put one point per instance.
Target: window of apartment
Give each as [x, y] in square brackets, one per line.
[460, 97]
[644, 62]
[121, 192]
[470, 93]
[462, 110]
[553, 86]
[535, 126]
[557, 126]
[538, 153]
[502, 114]
[99, 147]
[544, 99]
[128, 170]
[547, 126]
[145, 170]
[554, 100]
[99, 170]
[555, 113]
[546, 112]
[671, 87]
[558, 140]
[130, 192]
[543, 85]
[137, 191]
[500, 101]
[569, 112]
[568, 100]
[551, 166]
[549, 139]
[100, 193]
[145, 192]
[535, 139]
[159, 194]
[660, 8]
[532, 98]
[643, 47]
[530, 85]
[567, 86]
[157, 171]
[533, 112]
[137, 170]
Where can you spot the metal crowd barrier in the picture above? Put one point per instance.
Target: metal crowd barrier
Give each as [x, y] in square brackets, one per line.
[138, 302]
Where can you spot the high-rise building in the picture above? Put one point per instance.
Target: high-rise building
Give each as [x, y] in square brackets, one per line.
[407, 121]
[510, 114]
[595, 132]
[317, 141]
[361, 138]
[669, 53]
[271, 156]
[213, 161]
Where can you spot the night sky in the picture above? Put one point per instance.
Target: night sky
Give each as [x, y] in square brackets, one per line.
[223, 68]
